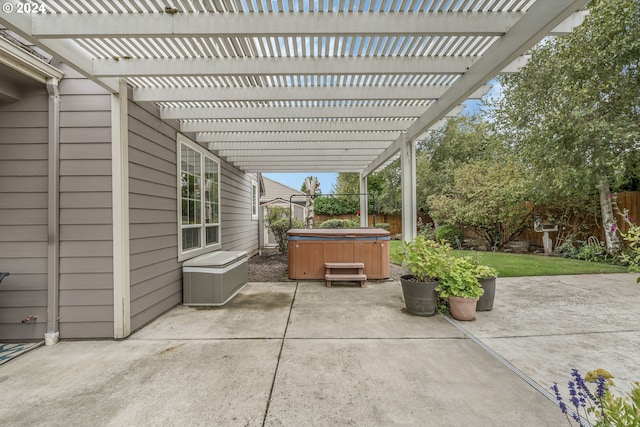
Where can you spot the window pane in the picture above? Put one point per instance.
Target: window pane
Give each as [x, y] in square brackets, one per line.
[211, 191]
[211, 213]
[254, 199]
[190, 238]
[212, 234]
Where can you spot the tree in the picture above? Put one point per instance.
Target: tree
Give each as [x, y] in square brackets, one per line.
[461, 140]
[488, 197]
[574, 109]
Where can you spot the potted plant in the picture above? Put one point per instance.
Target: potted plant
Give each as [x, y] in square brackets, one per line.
[461, 288]
[487, 277]
[425, 261]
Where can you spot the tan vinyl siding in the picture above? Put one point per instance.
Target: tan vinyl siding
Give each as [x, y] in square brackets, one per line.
[86, 242]
[156, 275]
[23, 215]
[239, 231]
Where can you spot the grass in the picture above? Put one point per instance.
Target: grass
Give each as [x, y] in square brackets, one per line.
[515, 265]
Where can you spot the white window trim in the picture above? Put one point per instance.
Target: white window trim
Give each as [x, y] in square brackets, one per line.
[181, 139]
[255, 199]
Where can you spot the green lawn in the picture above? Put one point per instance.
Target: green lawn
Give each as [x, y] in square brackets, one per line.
[513, 265]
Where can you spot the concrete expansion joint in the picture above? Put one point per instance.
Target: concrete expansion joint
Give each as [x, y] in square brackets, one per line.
[275, 372]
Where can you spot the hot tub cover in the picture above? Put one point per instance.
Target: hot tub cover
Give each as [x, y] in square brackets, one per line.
[338, 233]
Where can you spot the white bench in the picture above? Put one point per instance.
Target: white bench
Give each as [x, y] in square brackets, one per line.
[345, 272]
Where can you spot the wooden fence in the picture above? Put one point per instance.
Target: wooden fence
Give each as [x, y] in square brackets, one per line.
[628, 200]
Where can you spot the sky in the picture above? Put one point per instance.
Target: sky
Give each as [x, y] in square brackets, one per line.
[295, 180]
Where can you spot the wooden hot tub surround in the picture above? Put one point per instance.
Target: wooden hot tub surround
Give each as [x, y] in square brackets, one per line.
[310, 249]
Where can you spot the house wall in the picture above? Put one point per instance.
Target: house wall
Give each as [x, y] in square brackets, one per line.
[86, 242]
[156, 274]
[23, 214]
[239, 231]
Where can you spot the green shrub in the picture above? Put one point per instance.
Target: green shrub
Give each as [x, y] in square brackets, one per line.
[593, 252]
[340, 223]
[426, 230]
[383, 225]
[279, 229]
[450, 234]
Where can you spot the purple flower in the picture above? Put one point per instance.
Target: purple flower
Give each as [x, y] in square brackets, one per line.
[561, 404]
[601, 387]
[613, 228]
[582, 386]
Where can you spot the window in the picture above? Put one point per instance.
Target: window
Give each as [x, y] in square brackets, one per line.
[198, 199]
[255, 200]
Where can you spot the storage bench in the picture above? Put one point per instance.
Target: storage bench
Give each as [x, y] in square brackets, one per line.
[214, 278]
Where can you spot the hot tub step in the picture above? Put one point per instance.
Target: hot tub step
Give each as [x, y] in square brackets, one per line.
[362, 278]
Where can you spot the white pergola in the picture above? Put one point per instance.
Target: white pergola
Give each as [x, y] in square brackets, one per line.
[298, 86]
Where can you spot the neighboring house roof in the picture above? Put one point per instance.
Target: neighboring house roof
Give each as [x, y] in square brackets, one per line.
[274, 190]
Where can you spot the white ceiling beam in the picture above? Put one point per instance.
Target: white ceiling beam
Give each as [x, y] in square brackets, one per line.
[281, 66]
[295, 136]
[318, 158]
[290, 145]
[320, 93]
[111, 25]
[539, 20]
[515, 66]
[298, 168]
[346, 152]
[568, 25]
[296, 126]
[181, 113]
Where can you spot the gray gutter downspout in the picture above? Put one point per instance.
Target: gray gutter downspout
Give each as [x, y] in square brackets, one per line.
[53, 247]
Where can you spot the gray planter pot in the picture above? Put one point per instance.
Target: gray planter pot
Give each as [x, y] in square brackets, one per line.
[420, 298]
[485, 303]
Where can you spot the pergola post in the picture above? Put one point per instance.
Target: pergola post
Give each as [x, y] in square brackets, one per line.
[408, 165]
[364, 202]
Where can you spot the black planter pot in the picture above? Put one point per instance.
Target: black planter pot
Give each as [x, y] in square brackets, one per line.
[420, 298]
[485, 303]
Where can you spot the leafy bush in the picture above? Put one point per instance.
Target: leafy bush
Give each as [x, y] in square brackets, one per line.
[568, 248]
[425, 259]
[489, 198]
[279, 229]
[593, 252]
[459, 280]
[340, 223]
[383, 225]
[450, 234]
[426, 230]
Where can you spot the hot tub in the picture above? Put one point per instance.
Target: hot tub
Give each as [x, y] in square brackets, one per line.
[309, 249]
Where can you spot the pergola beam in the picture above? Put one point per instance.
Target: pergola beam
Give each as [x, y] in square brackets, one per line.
[313, 136]
[283, 153]
[273, 112]
[319, 93]
[281, 66]
[296, 126]
[260, 147]
[110, 25]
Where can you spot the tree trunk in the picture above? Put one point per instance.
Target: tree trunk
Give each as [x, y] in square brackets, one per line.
[311, 184]
[608, 219]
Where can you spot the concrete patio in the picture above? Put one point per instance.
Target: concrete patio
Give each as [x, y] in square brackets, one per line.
[298, 353]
